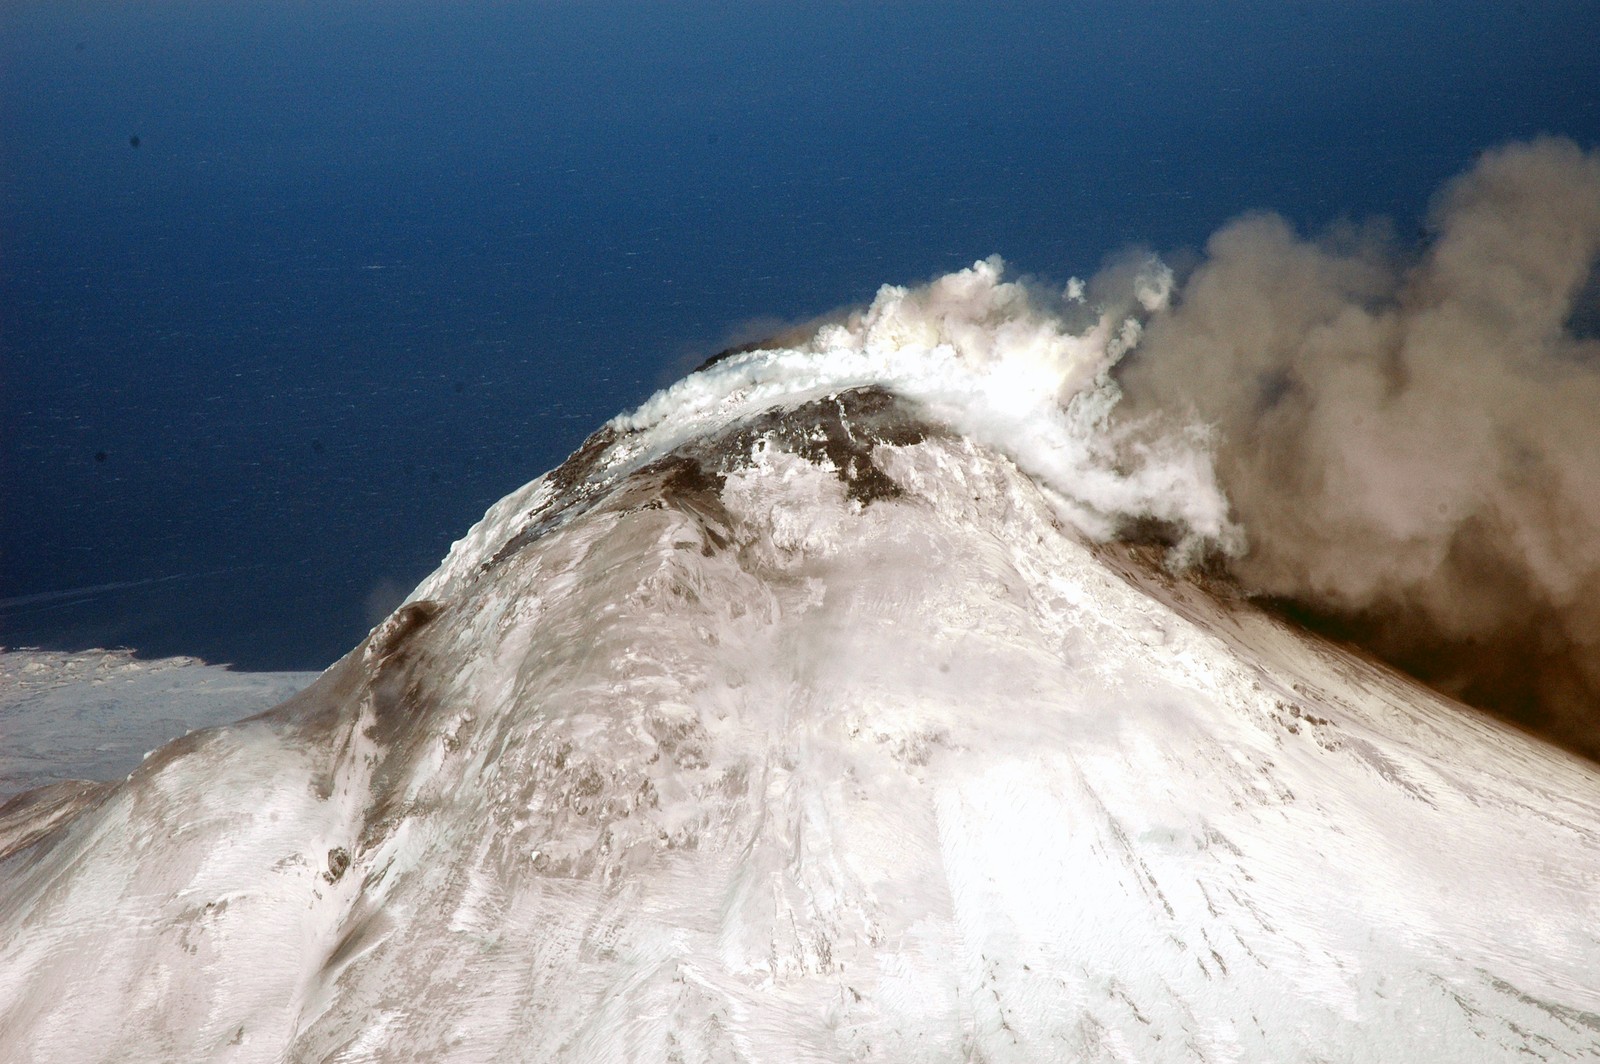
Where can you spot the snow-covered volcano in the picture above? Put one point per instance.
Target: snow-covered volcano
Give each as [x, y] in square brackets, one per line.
[800, 717]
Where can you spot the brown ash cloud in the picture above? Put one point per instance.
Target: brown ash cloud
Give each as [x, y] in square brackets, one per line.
[1410, 437]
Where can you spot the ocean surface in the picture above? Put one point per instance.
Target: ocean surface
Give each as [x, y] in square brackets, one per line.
[291, 292]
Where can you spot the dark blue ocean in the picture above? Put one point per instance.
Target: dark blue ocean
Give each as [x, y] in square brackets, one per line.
[290, 292]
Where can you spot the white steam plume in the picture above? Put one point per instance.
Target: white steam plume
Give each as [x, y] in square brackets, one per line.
[992, 360]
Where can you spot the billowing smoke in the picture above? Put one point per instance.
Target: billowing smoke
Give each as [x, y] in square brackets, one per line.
[1411, 440]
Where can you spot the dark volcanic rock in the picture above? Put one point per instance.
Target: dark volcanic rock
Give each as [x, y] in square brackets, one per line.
[840, 429]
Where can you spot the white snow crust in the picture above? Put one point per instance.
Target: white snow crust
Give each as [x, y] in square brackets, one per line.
[94, 715]
[674, 760]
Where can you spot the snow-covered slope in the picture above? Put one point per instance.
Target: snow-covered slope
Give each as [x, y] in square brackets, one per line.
[811, 725]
